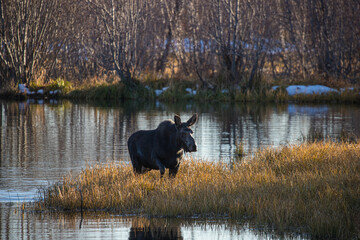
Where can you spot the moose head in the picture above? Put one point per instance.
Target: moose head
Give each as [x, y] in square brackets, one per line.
[184, 133]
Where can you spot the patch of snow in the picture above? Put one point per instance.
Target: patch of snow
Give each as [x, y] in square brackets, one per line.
[313, 89]
[51, 92]
[23, 88]
[190, 91]
[225, 91]
[147, 87]
[160, 91]
[40, 91]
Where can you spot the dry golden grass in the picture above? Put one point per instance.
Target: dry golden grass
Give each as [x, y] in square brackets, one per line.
[314, 187]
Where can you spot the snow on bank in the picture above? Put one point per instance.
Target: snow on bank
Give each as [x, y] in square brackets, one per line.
[190, 91]
[291, 90]
[312, 89]
[23, 89]
[160, 91]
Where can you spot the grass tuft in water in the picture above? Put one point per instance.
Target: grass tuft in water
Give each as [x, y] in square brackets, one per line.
[312, 187]
[239, 150]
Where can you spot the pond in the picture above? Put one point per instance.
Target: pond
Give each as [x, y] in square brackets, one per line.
[40, 142]
[18, 224]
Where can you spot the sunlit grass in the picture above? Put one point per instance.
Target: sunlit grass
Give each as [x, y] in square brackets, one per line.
[314, 187]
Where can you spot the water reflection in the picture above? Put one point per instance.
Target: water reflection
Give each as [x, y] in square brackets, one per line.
[16, 223]
[142, 228]
[42, 142]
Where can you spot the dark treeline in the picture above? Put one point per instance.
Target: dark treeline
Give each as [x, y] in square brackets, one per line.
[228, 41]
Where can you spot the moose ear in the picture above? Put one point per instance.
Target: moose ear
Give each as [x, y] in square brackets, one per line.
[177, 120]
[192, 120]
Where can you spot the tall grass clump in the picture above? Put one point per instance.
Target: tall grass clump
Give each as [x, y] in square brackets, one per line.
[239, 150]
[310, 188]
[111, 91]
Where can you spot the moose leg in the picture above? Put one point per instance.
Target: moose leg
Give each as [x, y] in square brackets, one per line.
[158, 164]
[137, 168]
[136, 165]
[173, 171]
[161, 168]
[144, 169]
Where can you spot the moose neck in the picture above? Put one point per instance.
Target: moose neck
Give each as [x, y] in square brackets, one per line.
[178, 145]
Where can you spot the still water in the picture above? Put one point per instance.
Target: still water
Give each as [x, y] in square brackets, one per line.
[40, 142]
[17, 224]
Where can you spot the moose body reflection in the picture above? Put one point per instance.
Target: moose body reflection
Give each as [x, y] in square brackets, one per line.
[155, 229]
[162, 147]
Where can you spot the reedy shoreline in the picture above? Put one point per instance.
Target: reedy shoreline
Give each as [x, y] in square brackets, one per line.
[178, 91]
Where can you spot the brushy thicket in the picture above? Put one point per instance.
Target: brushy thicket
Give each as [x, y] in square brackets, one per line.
[312, 188]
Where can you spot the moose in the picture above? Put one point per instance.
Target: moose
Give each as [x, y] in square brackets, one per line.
[162, 147]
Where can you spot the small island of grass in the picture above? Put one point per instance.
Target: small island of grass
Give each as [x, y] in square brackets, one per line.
[312, 188]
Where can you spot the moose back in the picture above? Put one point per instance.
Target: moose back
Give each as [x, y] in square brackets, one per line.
[162, 147]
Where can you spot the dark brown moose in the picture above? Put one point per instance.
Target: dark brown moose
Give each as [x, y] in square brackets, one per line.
[162, 147]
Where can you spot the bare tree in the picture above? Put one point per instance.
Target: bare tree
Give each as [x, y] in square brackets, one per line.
[124, 24]
[170, 11]
[24, 28]
[225, 28]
